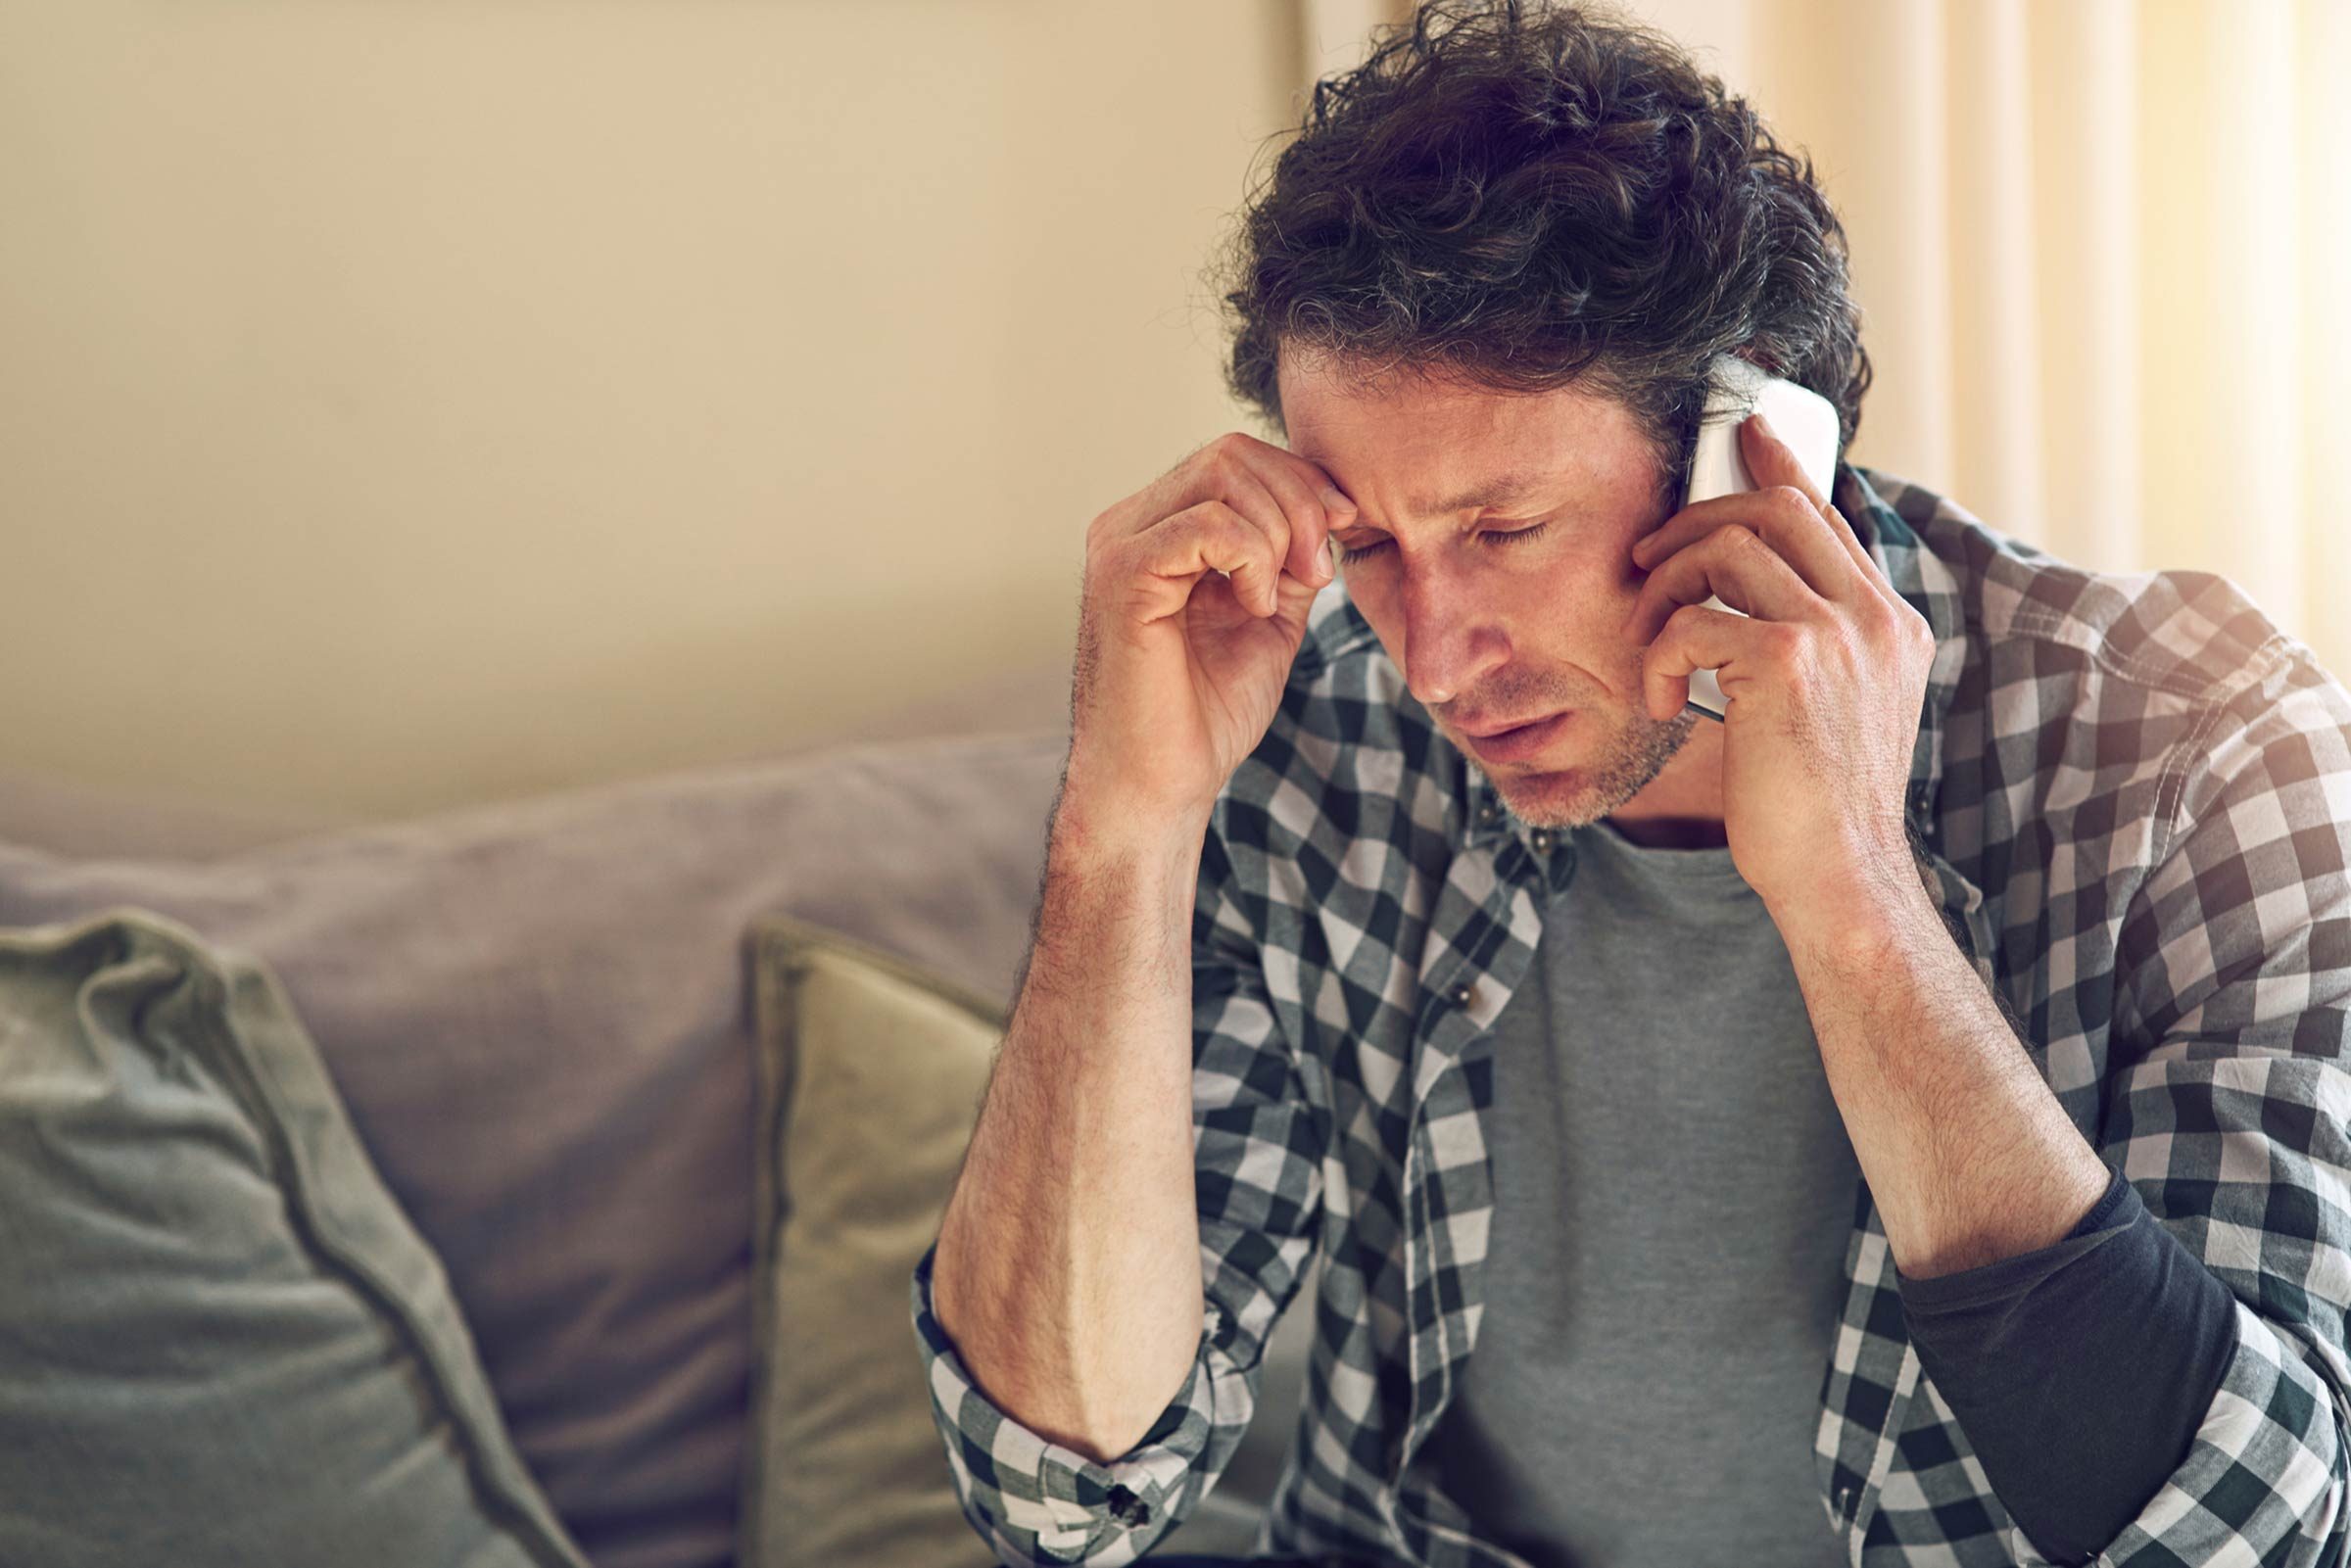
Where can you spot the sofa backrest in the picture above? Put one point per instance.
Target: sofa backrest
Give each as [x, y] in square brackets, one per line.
[537, 1014]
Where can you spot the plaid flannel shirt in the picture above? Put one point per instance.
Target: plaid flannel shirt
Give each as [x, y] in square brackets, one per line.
[2132, 796]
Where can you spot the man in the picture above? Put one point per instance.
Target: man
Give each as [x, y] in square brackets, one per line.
[1901, 1123]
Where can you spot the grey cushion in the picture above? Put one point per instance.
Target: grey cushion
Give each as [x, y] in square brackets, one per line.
[538, 1012]
[221, 1340]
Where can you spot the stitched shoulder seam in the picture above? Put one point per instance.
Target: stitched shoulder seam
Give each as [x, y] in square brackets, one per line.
[2170, 787]
[2168, 675]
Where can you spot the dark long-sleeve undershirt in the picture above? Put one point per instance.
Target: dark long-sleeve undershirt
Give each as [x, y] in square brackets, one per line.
[2079, 1372]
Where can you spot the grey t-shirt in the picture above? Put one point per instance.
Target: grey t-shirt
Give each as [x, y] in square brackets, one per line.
[1674, 1193]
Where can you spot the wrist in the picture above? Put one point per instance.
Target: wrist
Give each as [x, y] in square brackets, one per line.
[1090, 833]
[1859, 911]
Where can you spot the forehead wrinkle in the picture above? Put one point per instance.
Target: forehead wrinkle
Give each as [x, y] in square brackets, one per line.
[1485, 493]
[1499, 489]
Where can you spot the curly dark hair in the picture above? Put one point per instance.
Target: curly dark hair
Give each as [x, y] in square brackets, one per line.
[1526, 197]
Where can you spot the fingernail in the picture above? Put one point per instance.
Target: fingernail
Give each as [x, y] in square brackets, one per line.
[1336, 502]
[1331, 562]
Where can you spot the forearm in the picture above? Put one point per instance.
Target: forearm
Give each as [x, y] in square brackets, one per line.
[1068, 1269]
[1968, 1155]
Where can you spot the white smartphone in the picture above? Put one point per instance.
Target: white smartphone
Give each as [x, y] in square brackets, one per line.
[1804, 419]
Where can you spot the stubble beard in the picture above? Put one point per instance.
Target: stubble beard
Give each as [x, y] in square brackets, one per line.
[1634, 755]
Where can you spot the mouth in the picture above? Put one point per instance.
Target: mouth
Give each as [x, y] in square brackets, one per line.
[1505, 727]
[1515, 741]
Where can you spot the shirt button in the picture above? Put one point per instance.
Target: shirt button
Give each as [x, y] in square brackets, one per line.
[1461, 996]
[1542, 837]
[1487, 812]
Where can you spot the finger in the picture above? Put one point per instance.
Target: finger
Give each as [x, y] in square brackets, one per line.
[1773, 462]
[1300, 494]
[1700, 637]
[1780, 516]
[1170, 556]
[1732, 563]
[1314, 501]
[1863, 562]
[1245, 493]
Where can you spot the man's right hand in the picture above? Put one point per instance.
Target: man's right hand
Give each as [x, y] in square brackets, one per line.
[1178, 668]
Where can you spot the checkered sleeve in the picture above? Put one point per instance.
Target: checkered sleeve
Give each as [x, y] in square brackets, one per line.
[1259, 1182]
[2228, 1106]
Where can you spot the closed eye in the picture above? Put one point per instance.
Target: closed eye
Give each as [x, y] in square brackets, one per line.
[1490, 536]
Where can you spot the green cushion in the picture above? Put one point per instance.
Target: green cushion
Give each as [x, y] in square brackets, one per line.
[869, 1076]
[220, 1340]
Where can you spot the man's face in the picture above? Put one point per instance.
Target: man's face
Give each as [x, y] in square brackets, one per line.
[1490, 630]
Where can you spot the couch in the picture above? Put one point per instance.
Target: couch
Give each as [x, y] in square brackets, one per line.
[538, 1014]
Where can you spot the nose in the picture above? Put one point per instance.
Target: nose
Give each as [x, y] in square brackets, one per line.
[1450, 640]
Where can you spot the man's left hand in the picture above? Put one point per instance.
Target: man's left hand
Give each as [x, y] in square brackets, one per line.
[1823, 676]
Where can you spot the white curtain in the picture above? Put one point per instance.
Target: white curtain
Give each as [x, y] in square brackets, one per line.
[2101, 248]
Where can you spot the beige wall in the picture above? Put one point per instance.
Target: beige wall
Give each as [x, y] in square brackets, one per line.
[402, 403]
